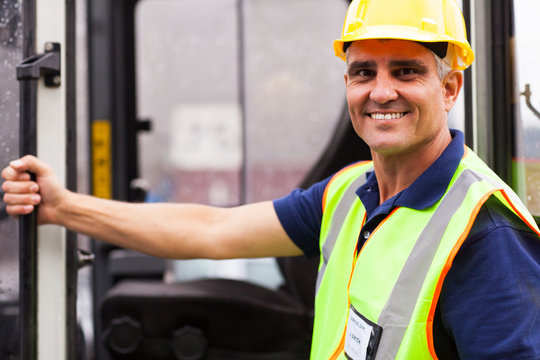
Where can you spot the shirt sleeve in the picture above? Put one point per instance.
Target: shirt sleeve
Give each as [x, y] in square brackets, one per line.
[490, 300]
[300, 214]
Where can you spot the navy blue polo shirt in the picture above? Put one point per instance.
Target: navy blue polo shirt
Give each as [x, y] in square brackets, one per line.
[489, 306]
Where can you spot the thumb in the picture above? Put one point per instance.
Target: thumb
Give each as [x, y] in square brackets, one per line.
[32, 164]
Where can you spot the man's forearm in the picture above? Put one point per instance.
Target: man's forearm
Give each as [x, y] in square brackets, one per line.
[164, 230]
[178, 230]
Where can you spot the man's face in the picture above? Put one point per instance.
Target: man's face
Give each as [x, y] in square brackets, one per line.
[397, 102]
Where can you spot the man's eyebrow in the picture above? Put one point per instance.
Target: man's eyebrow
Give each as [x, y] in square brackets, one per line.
[408, 63]
[361, 64]
[369, 64]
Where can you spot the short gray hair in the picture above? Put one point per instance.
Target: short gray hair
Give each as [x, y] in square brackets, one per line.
[443, 68]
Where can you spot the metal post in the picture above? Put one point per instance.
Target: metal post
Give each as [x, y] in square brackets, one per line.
[27, 224]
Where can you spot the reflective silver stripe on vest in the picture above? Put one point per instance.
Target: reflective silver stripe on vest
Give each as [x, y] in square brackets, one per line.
[399, 308]
[342, 209]
[499, 184]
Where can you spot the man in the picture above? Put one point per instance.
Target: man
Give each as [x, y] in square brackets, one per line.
[425, 253]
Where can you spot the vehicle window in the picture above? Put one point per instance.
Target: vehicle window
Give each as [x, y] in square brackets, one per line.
[527, 44]
[10, 56]
[243, 96]
[456, 116]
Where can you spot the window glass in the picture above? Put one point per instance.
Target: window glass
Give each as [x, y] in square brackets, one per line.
[243, 96]
[295, 89]
[10, 56]
[527, 45]
[188, 85]
[456, 116]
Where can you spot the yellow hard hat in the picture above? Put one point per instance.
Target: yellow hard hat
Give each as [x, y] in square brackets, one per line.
[425, 21]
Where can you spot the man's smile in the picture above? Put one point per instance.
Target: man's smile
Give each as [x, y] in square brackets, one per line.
[386, 116]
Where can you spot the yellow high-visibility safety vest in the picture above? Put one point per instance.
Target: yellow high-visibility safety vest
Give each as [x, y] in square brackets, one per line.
[379, 302]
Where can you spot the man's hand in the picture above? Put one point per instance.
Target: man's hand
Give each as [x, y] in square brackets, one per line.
[22, 194]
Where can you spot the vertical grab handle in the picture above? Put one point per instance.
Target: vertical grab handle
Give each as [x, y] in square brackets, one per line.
[29, 72]
[527, 93]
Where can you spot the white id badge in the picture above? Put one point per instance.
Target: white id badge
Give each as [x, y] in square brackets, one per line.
[362, 337]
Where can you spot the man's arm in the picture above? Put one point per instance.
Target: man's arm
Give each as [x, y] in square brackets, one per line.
[165, 230]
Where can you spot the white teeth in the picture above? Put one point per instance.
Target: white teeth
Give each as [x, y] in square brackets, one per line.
[387, 116]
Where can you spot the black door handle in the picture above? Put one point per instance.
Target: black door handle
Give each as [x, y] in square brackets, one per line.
[29, 72]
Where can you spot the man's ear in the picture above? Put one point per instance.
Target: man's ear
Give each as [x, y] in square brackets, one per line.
[452, 84]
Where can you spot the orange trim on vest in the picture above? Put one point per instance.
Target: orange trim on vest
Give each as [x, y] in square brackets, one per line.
[533, 228]
[341, 345]
[348, 167]
[446, 268]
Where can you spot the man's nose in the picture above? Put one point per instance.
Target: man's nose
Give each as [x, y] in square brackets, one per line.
[383, 89]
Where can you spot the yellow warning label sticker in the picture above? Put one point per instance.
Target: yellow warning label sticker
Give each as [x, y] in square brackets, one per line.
[101, 159]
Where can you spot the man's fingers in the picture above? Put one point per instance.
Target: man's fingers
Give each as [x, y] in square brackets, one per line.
[21, 199]
[20, 187]
[23, 176]
[16, 210]
[9, 173]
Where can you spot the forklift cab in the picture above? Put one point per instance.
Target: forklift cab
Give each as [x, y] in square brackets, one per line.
[220, 102]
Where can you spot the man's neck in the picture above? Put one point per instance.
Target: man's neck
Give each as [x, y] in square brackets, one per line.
[396, 172]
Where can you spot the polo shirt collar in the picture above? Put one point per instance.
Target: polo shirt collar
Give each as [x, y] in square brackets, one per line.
[425, 191]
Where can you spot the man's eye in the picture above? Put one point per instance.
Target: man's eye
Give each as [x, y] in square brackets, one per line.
[406, 72]
[364, 73]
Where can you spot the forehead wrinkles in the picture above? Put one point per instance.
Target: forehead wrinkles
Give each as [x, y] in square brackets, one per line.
[386, 50]
[391, 63]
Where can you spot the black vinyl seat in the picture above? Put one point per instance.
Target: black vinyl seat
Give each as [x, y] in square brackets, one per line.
[204, 319]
